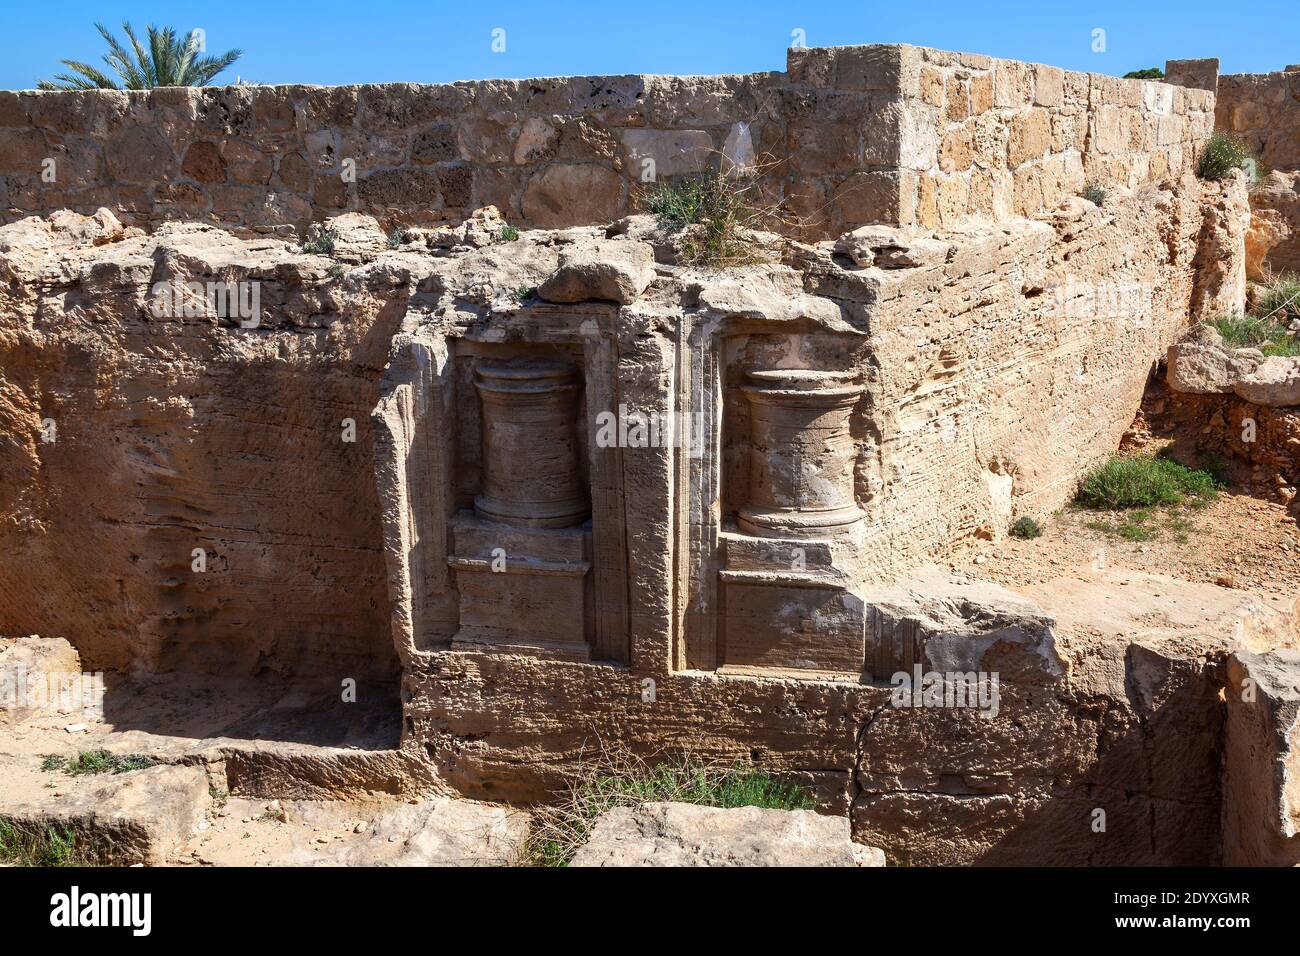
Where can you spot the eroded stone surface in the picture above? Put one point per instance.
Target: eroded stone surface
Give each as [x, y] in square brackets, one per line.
[682, 834]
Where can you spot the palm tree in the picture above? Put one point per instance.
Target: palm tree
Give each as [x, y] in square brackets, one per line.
[167, 61]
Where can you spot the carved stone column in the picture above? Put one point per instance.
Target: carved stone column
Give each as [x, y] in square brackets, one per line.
[802, 455]
[531, 476]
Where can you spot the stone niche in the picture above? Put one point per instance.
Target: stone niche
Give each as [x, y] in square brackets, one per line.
[522, 553]
[508, 518]
[790, 530]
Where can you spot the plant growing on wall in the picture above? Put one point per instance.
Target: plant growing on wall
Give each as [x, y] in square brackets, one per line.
[1222, 154]
[165, 60]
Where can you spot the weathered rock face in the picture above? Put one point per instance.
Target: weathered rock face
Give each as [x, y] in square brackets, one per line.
[682, 834]
[181, 491]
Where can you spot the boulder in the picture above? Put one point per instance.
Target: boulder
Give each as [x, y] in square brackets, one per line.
[1276, 382]
[357, 237]
[1206, 369]
[611, 269]
[683, 834]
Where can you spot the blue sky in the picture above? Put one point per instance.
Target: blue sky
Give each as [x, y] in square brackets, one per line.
[347, 41]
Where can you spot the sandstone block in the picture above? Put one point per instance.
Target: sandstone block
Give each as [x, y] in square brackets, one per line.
[673, 152]
[574, 194]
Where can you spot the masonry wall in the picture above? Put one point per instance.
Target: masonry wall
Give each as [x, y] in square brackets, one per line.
[1264, 110]
[849, 135]
[548, 152]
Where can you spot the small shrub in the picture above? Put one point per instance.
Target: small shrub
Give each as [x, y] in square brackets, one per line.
[51, 845]
[396, 239]
[713, 210]
[1222, 154]
[1150, 73]
[322, 243]
[559, 831]
[1094, 194]
[53, 762]
[336, 271]
[525, 292]
[1144, 482]
[509, 233]
[1026, 528]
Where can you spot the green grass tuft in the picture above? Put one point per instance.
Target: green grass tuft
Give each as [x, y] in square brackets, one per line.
[51, 845]
[1144, 482]
[99, 761]
[1094, 194]
[1222, 154]
[713, 210]
[509, 233]
[559, 831]
[1278, 300]
[1248, 331]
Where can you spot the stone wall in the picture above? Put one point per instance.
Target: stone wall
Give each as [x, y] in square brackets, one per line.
[851, 135]
[1264, 110]
[1000, 138]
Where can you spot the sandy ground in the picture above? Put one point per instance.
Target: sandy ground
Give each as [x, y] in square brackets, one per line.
[1237, 541]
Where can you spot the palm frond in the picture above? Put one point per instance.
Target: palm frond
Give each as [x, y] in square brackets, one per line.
[119, 60]
[209, 66]
[165, 59]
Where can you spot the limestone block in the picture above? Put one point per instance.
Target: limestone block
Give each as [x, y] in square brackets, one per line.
[1276, 382]
[1049, 85]
[1030, 136]
[785, 621]
[574, 194]
[1201, 74]
[672, 152]
[535, 140]
[1206, 369]
[613, 270]
[521, 588]
[135, 817]
[683, 834]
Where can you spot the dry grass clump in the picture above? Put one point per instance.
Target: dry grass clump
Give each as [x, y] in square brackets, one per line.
[716, 211]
